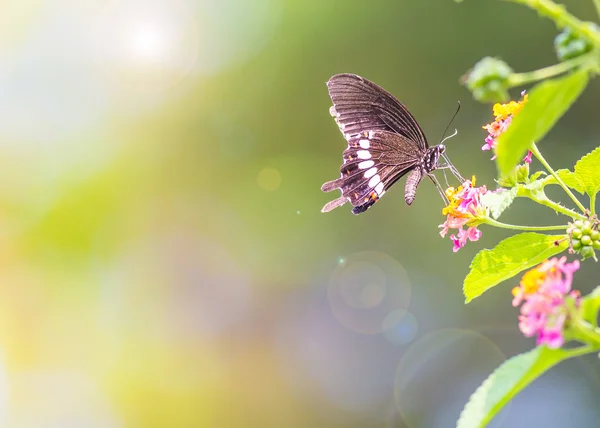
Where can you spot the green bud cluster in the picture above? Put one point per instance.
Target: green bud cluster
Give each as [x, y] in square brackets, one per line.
[488, 81]
[519, 174]
[585, 238]
[569, 45]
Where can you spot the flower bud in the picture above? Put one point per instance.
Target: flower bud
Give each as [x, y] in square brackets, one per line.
[569, 45]
[488, 80]
[522, 172]
[585, 237]
[587, 252]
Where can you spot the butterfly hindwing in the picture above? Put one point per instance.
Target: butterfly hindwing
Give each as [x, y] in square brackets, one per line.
[373, 161]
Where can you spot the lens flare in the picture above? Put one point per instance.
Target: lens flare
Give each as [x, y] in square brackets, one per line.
[440, 371]
[365, 288]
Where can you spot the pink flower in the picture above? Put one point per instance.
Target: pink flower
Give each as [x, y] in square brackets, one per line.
[503, 116]
[544, 291]
[472, 234]
[464, 209]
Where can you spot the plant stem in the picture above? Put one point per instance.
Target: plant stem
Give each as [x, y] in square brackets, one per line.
[562, 18]
[597, 4]
[582, 350]
[593, 203]
[543, 161]
[519, 79]
[501, 225]
[555, 206]
[585, 333]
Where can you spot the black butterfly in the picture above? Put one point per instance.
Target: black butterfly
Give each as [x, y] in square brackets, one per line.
[385, 142]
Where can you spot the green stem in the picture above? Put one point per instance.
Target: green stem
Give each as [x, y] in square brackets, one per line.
[543, 161]
[520, 79]
[492, 222]
[582, 350]
[555, 206]
[597, 5]
[593, 203]
[585, 333]
[562, 18]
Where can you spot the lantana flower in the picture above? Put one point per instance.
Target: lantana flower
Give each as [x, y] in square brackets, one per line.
[464, 210]
[545, 290]
[503, 114]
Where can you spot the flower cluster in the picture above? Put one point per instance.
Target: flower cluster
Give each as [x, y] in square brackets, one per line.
[503, 114]
[464, 209]
[544, 291]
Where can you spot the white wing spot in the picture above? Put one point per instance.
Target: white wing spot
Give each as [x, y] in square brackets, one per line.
[370, 173]
[366, 164]
[374, 181]
[365, 144]
[332, 111]
[363, 154]
[379, 189]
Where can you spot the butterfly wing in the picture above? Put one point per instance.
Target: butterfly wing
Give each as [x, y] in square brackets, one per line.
[360, 105]
[384, 141]
[373, 161]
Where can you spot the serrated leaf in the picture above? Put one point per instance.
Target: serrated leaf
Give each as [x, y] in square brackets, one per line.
[499, 200]
[510, 378]
[508, 258]
[569, 178]
[587, 171]
[548, 101]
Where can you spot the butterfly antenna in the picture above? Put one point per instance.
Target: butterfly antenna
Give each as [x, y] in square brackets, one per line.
[450, 123]
[449, 136]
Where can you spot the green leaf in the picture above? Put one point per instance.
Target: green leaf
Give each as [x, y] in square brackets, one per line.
[587, 171]
[508, 258]
[536, 175]
[548, 101]
[570, 179]
[499, 200]
[590, 306]
[510, 378]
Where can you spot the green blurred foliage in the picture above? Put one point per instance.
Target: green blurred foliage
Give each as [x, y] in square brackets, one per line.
[149, 273]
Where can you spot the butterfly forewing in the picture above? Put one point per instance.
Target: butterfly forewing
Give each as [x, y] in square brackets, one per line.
[384, 141]
[361, 105]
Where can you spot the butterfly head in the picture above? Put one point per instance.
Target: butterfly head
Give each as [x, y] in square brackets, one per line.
[430, 160]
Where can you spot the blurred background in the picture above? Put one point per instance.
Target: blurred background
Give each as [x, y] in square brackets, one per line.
[163, 258]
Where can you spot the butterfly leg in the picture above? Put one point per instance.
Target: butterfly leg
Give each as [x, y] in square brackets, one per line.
[439, 188]
[445, 177]
[453, 169]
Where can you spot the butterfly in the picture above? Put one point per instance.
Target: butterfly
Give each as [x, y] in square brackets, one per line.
[385, 142]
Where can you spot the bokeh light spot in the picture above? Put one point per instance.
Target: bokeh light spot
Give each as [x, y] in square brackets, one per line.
[440, 371]
[269, 179]
[400, 327]
[147, 42]
[364, 288]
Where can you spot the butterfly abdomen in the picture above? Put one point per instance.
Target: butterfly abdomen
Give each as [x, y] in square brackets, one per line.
[412, 181]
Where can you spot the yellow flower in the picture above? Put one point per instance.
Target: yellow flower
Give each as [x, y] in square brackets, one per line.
[532, 280]
[503, 111]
